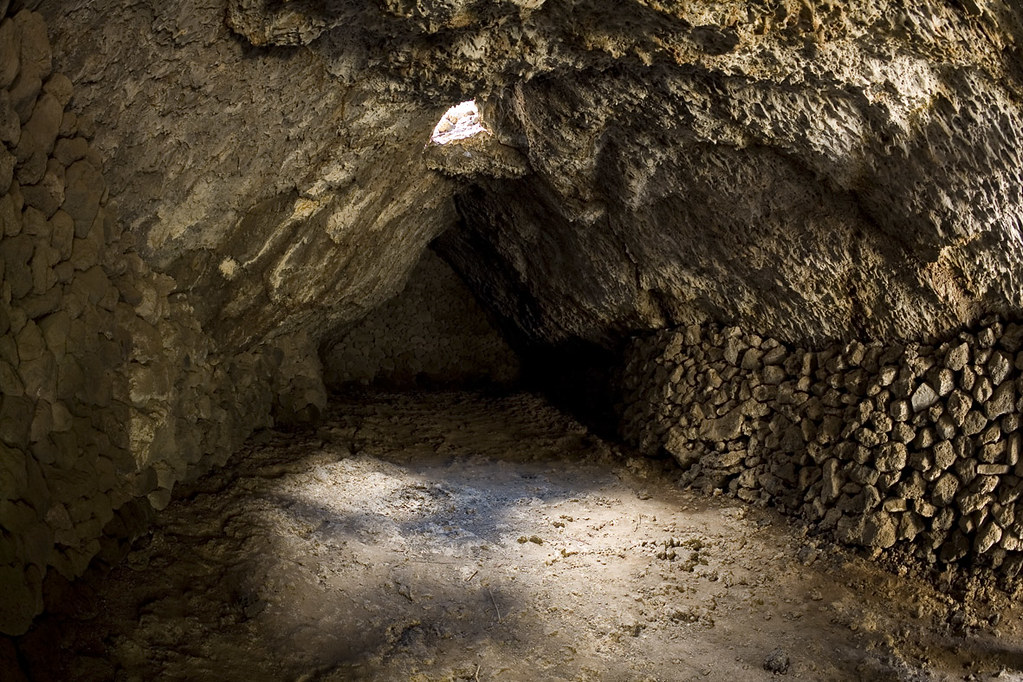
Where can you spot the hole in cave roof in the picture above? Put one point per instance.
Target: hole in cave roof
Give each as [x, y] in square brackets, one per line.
[458, 123]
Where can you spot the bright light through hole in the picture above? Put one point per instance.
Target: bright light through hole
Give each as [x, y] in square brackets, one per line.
[460, 121]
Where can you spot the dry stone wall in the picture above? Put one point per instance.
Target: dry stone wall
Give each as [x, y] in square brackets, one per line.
[111, 390]
[891, 447]
[432, 333]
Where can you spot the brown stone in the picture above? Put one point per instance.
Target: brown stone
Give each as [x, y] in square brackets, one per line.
[67, 151]
[82, 195]
[15, 420]
[7, 163]
[24, 91]
[10, 54]
[48, 194]
[35, 44]
[60, 87]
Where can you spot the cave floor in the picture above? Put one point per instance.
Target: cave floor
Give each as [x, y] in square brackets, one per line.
[458, 536]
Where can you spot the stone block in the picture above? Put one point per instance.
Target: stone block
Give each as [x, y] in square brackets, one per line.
[7, 164]
[891, 457]
[23, 598]
[923, 397]
[10, 53]
[82, 195]
[945, 490]
[987, 537]
[60, 87]
[17, 254]
[35, 44]
[67, 151]
[48, 194]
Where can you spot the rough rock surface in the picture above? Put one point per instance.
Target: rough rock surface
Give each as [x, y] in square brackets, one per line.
[809, 169]
[854, 438]
[214, 187]
[112, 392]
[431, 334]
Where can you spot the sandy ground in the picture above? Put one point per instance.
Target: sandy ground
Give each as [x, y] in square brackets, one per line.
[456, 536]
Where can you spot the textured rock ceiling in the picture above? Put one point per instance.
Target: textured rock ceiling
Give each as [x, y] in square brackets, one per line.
[809, 169]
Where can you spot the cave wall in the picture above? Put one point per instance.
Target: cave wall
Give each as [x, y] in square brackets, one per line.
[896, 447]
[281, 185]
[112, 390]
[431, 334]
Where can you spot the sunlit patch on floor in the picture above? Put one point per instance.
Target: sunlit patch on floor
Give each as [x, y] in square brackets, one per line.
[458, 536]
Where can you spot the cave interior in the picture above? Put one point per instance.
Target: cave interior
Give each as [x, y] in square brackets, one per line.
[465, 339]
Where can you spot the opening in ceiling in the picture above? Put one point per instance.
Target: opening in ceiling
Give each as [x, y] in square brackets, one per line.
[458, 123]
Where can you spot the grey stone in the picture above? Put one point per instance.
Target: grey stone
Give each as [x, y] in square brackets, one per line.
[923, 397]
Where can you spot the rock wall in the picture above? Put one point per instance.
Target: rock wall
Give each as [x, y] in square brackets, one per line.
[910, 446]
[813, 170]
[282, 186]
[432, 333]
[112, 391]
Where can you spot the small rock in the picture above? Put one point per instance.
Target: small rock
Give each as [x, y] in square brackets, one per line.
[923, 397]
[957, 357]
[891, 457]
[777, 662]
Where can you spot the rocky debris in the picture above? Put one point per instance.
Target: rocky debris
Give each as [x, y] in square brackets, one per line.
[777, 662]
[886, 446]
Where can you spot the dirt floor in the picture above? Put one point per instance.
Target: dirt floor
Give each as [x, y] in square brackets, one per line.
[456, 536]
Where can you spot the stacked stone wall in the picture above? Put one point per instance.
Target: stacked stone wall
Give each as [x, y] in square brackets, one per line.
[892, 447]
[432, 333]
[111, 391]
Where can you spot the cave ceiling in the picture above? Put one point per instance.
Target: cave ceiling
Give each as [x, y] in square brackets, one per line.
[814, 170]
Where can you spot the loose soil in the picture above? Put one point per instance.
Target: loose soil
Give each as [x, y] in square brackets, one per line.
[462, 536]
